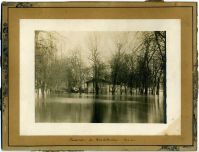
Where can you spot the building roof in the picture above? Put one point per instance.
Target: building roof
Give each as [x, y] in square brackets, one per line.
[99, 80]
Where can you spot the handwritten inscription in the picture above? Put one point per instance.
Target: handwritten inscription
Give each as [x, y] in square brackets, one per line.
[129, 139]
[77, 139]
[106, 139]
[101, 139]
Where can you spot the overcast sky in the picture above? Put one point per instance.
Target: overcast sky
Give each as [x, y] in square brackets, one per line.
[67, 42]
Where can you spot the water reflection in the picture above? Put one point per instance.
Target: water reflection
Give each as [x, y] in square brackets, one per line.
[101, 109]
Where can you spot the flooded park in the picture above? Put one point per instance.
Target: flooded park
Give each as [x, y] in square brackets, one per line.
[103, 109]
[100, 76]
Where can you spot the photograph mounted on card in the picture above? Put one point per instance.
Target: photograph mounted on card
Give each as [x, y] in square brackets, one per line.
[99, 76]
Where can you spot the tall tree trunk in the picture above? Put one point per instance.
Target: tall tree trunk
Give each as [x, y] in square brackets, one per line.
[131, 91]
[43, 89]
[121, 89]
[146, 90]
[158, 86]
[80, 90]
[125, 87]
[96, 88]
[146, 86]
[164, 81]
[113, 89]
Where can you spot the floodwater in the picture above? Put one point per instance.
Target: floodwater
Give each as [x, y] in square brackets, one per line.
[73, 108]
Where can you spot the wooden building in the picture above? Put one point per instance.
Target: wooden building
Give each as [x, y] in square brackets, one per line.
[104, 86]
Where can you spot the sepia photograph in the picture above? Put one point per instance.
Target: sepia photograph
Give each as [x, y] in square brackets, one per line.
[100, 76]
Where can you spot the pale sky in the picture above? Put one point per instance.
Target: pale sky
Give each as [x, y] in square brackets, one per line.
[68, 41]
[106, 41]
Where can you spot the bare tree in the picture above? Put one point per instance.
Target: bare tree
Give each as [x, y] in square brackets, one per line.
[77, 66]
[95, 60]
[45, 49]
[160, 37]
[118, 63]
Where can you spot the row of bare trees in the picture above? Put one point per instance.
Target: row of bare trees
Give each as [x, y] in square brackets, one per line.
[140, 68]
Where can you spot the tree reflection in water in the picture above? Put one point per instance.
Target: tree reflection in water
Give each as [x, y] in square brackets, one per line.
[100, 109]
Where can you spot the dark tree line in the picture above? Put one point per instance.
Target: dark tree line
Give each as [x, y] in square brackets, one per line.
[131, 69]
[143, 68]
